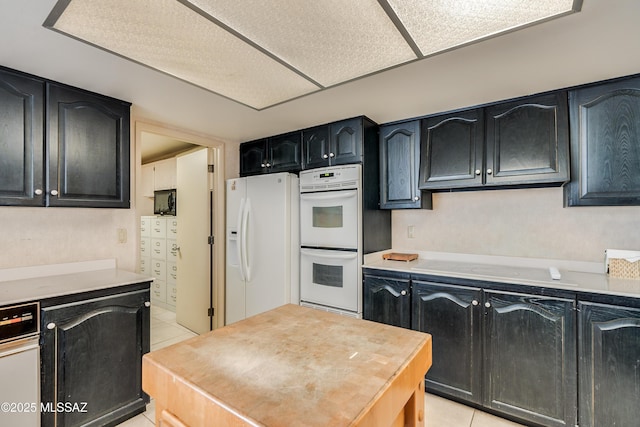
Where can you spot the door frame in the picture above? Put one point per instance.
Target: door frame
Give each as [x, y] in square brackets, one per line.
[216, 184]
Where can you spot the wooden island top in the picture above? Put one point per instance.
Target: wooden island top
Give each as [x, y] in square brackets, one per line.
[292, 366]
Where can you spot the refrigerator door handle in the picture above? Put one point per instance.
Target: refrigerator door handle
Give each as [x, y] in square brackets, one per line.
[239, 250]
[245, 240]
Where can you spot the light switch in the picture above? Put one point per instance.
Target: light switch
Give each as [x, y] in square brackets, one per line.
[122, 235]
[410, 230]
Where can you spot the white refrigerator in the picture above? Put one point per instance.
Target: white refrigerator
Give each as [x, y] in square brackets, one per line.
[263, 244]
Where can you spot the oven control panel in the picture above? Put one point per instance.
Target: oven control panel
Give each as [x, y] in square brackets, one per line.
[18, 321]
[330, 178]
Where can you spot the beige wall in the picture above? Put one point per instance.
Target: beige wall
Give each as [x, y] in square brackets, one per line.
[522, 223]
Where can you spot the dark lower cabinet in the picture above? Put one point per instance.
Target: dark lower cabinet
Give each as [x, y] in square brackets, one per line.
[530, 357]
[452, 315]
[91, 358]
[609, 365]
[387, 299]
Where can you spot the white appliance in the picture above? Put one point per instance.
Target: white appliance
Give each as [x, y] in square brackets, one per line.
[263, 258]
[331, 239]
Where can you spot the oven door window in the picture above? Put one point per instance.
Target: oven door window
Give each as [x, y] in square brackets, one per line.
[328, 275]
[327, 216]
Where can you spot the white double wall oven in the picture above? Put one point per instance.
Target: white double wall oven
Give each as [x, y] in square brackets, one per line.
[331, 239]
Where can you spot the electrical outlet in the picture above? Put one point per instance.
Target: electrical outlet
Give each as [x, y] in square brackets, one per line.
[122, 235]
[410, 231]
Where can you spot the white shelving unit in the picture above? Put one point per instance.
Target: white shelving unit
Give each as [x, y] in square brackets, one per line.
[158, 257]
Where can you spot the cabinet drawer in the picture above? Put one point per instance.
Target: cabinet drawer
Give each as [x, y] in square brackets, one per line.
[159, 248]
[159, 291]
[159, 227]
[145, 247]
[172, 251]
[145, 265]
[159, 269]
[145, 226]
[172, 228]
[172, 272]
[172, 294]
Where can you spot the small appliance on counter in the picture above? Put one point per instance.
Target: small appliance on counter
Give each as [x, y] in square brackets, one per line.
[164, 202]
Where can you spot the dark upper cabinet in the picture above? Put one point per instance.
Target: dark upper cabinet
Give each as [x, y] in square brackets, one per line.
[452, 150]
[21, 139]
[88, 140]
[528, 141]
[522, 142]
[605, 145]
[530, 357]
[387, 299]
[61, 146]
[282, 153]
[452, 315]
[399, 167]
[609, 364]
[91, 351]
[337, 143]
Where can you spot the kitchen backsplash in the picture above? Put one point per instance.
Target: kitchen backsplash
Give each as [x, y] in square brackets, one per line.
[521, 223]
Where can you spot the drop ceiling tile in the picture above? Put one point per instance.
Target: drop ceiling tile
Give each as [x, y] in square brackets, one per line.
[167, 36]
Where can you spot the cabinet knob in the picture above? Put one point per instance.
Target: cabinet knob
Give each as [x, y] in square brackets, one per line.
[38, 192]
[325, 156]
[268, 165]
[147, 304]
[416, 198]
[262, 165]
[474, 302]
[403, 292]
[489, 171]
[332, 155]
[51, 325]
[487, 304]
[54, 192]
[478, 171]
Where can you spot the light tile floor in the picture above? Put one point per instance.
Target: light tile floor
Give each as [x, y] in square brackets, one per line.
[439, 412]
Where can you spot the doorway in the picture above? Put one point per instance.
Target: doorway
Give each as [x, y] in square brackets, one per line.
[159, 143]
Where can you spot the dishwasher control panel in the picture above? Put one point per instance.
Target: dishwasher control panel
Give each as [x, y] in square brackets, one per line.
[19, 321]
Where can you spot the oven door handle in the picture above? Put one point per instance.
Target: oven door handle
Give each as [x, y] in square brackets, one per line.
[333, 255]
[334, 195]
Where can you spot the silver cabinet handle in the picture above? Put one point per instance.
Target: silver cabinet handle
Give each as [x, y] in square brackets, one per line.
[54, 192]
[51, 325]
[403, 293]
[262, 165]
[268, 165]
[489, 171]
[147, 304]
[478, 171]
[38, 192]
[487, 304]
[324, 156]
[474, 302]
[416, 198]
[332, 155]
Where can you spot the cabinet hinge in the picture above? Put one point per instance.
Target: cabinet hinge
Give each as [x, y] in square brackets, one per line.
[210, 168]
[210, 240]
[210, 311]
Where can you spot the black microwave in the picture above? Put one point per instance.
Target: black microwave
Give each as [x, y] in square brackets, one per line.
[164, 202]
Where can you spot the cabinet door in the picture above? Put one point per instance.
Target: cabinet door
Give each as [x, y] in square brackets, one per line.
[346, 142]
[528, 141]
[387, 300]
[452, 150]
[91, 352]
[253, 157]
[21, 140]
[315, 147]
[605, 145]
[452, 315]
[609, 365]
[399, 166]
[88, 149]
[285, 153]
[530, 357]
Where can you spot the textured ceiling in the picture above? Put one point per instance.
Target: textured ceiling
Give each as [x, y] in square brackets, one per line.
[263, 53]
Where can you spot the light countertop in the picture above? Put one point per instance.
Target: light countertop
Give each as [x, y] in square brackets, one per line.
[575, 276]
[35, 284]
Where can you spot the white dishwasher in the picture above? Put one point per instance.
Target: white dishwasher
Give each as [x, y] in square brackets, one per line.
[20, 365]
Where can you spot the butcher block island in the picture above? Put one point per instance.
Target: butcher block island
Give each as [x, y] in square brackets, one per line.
[292, 366]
